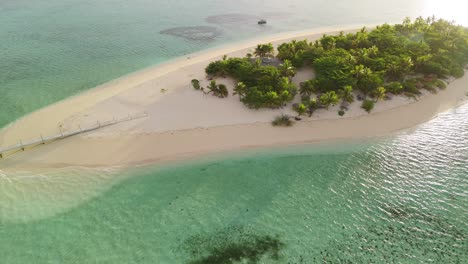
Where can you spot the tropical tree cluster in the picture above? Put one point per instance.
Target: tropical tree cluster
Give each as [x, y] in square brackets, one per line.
[258, 85]
[219, 90]
[383, 60]
[396, 59]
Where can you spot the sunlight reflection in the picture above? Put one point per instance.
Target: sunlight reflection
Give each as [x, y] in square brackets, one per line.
[447, 9]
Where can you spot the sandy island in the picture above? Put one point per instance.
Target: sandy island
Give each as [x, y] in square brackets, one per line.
[183, 122]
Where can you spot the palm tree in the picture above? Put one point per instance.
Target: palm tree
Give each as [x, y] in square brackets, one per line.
[366, 72]
[329, 98]
[307, 88]
[373, 51]
[312, 105]
[397, 69]
[286, 50]
[222, 91]
[287, 69]
[379, 93]
[421, 60]
[300, 109]
[361, 73]
[406, 63]
[346, 94]
[213, 87]
[264, 50]
[240, 89]
[393, 70]
[358, 71]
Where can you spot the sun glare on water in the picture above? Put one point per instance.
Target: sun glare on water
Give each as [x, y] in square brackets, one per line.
[456, 10]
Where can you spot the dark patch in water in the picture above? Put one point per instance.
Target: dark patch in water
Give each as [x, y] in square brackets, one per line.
[411, 236]
[397, 212]
[230, 245]
[198, 33]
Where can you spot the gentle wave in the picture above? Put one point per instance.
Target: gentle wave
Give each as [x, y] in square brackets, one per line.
[398, 199]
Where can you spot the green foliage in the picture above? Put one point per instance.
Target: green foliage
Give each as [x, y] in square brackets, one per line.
[264, 50]
[372, 62]
[333, 70]
[216, 68]
[240, 89]
[300, 109]
[238, 67]
[294, 52]
[282, 120]
[220, 90]
[212, 86]
[346, 94]
[368, 105]
[341, 112]
[328, 98]
[196, 84]
[259, 86]
[307, 88]
[394, 87]
[270, 96]
[457, 72]
[311, 105]
[367, 60]
[398, 67]
[440, 84]
[433, 67]
[410, 86]
[368, 81]
[429, 83]
[379, 93]
[287, 69]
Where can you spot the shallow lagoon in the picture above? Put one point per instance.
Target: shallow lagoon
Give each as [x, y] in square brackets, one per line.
[399, 199]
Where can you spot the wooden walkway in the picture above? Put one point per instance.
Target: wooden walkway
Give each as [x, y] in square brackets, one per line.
[21, 146]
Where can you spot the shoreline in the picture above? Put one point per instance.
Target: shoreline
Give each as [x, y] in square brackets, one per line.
[167, 135]
[133, 79]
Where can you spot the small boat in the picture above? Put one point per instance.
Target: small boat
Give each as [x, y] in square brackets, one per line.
[262, 22]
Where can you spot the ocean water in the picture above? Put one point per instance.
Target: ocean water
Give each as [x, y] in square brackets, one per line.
[400, 199]
[50, 50]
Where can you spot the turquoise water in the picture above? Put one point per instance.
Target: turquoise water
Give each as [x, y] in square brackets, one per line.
[401, 199]
[52, 49]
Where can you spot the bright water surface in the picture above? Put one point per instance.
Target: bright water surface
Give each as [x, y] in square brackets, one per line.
[401, 199]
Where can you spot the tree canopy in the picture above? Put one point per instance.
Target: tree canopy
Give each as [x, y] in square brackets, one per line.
[368, 60]
[388, 59]
[264, 50]
[258, 85]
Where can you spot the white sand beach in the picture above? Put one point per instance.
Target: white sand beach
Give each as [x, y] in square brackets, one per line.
[183, 122]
